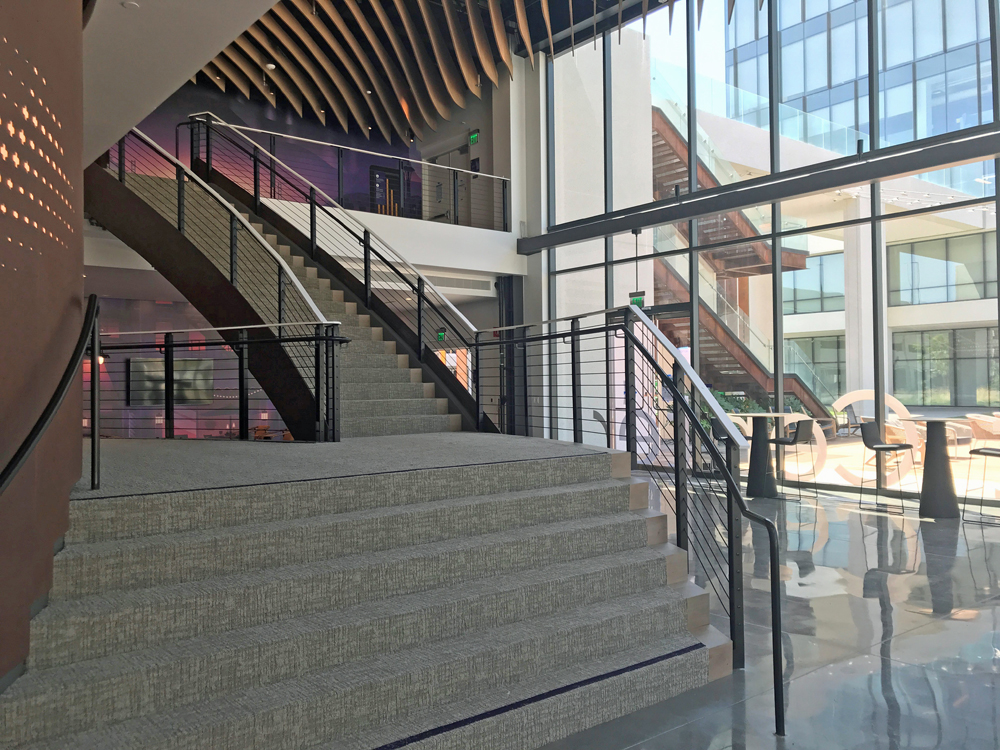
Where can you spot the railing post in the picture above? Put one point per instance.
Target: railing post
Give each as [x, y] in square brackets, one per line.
[736, 616]
[680, 459]
[576, 379]
[256, 179]
[630, 439]
[233, 246]
[454, 195]
[95, 406]
[180, 199]
[244, 385]
[281, 301]
[527, 402]
[420, 318]
[208, 150]
[318, 380]
[475, 380]
[272, 148]
[168, 386]
[368, 269]
[312, 222]
[121, 160]
[332, 385]
[400, 197]
[340, 176]
[506, 206]
[195, 146]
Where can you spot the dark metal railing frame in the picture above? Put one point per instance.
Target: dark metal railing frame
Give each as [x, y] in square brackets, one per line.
[726, 465]
[30, 442]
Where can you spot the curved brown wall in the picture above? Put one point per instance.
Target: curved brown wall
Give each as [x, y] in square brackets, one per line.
[41, 290]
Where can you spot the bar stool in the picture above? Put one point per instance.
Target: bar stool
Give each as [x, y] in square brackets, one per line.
[987, 454]
[872, 438]
[802, 434]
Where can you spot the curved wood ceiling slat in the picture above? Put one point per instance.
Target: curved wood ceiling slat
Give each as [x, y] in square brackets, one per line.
[496, 19]
[381, 120]
[548, 25]
[379, 86]
[418, 85]
[482, 41]
[233, 74]
[404, 95]
[461, 47]
[306, 87]
[294, 97]
[435, 85]
[334, 101]
[215, 76]
[451, 77]
[354, 102]
[253, 72]
[522, 26]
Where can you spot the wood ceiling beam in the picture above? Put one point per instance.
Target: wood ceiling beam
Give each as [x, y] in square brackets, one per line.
[450, 74]
[355, 103]
[482, 41]
[381, 119]
[461, 47]
[333, 100]
[418, 85]
[503, 45]
[305, 86]
[233, 74]
[548, 24]
[379, 86]
[215, 76]
[253, 73]
[280, 80]
[404, 94]
[432, 75]
[522, 26]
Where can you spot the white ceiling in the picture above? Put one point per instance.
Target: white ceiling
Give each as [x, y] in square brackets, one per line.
[134, 58]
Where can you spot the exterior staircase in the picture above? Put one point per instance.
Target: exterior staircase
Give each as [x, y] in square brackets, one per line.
[380, 393]
[500, 605]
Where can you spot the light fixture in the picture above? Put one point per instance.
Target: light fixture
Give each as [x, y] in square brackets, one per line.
[369, 91]
[130, 4]
[270, 66]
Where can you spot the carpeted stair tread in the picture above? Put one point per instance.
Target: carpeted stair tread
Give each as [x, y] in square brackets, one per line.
[143, 515]
[96, 626]
[355, 696]
[86, 569]
[390, 407]
[403, 424]
[93, 693]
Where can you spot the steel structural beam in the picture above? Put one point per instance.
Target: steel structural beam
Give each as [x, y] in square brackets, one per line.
[971, 145]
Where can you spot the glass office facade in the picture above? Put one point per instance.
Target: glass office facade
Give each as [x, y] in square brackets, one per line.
[868, 274]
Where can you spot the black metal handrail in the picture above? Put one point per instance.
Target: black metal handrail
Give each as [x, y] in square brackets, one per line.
[320, 203]
[48, 414]
[622, 323]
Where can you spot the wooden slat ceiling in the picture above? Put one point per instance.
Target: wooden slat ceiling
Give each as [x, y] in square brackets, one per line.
[398, 67]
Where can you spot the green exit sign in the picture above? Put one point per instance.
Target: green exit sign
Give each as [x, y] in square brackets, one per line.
[473, 137]
[441, 335]
[637, 298]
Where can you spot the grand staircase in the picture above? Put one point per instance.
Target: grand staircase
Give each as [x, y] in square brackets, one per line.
[500, 605]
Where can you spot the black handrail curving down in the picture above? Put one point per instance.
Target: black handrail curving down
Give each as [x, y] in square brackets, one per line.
[31, 441]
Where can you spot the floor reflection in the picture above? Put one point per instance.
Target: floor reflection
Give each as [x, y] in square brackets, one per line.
[889, 636]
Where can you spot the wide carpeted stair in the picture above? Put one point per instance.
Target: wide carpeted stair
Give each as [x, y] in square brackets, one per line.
[500, 605]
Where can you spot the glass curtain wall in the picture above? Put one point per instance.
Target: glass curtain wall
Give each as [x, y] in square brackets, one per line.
[882, 318]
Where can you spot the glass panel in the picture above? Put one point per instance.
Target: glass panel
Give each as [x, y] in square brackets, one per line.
[579, 133]
[930, 30]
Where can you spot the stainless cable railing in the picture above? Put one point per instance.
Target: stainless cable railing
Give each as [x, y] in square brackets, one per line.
[612, 378]
[436, 326]
[379, 183]
[220, 232]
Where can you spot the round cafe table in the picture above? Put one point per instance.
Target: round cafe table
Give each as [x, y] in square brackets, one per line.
[760, 477]
[937, 494]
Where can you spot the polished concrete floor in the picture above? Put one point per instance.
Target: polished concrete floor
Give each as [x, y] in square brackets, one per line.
[889, 634]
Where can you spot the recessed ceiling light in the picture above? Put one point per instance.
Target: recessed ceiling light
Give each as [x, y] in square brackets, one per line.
[270, 66]
[130, 4]
[368, 91]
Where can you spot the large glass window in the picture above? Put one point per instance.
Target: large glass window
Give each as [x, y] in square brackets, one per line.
[819, 287]
[820, 362]
[943, 270]
[946, 368]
